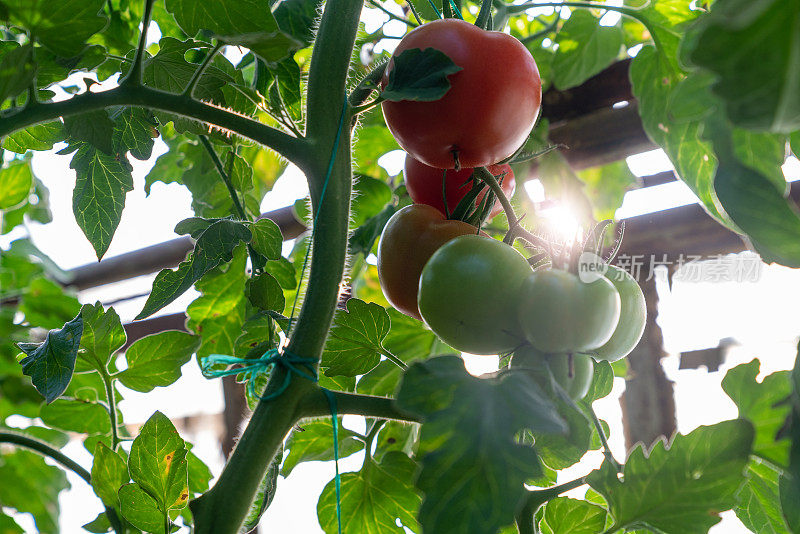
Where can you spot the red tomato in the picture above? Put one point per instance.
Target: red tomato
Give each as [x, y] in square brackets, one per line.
[408, 240]
[424, 184]
[490, 108]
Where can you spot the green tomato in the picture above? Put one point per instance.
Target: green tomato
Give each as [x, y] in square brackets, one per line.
[468, 293]
[560, 314]
[575, 381]
[632, 317]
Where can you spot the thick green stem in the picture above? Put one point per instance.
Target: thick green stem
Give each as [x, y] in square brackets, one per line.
[62, 459]
[292, 148]
[224, 507]
[315, 404]
[525, 517]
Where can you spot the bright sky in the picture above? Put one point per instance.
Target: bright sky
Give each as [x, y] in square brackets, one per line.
[760, 315]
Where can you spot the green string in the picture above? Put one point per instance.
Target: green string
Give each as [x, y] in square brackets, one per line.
[252, 368]
[337, 479]
[456, 11]
[438, 14]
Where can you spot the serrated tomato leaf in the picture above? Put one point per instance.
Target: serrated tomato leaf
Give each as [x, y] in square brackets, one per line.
[355, 341]
[680, 488]
[156, 360]
[214, 246]
[473, 467]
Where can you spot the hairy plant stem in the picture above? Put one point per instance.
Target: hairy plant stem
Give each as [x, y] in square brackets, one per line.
[65, 461]
[606, 449]
[224, 507]
[292, 148]
[534, 499]
[201, 69]
[134, 77]
[315, 404]
[514, 228]
[484, 14]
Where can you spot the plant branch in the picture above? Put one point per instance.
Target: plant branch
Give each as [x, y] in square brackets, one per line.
[606, 449]
[392, 16]
[315, 404]
[514, 228]
[237, 204]
[134, 77]
[484, 14]
[536, 498]
[62, 459]
[112, 406]
[291, 148]
[627, 11]
[365, 87]
[201, 69]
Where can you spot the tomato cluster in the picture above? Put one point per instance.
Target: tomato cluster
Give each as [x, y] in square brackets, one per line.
[479, 294]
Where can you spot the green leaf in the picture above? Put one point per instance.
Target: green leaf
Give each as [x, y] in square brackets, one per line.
[213, 247]
[140, 509]
[753, 203]
[419, 75]
[99, 525]
[363, 238]
[559, 451]
[468, 448]
[99, 195]
[50, 364]
[759, 402]
[298, 18]
[16, 181]
[158, 463]
[354, 343]
[680, 489]
[283, 271]
[31, 486]
[169, 71]
[109, 474]
[584, 49]
[9, 526]
[219, 313]
[381, 381]
[370, 196]
[794, 141]
[134, 130]
[156, 360]
[249, 23]
[103, 335]
[36, 137]
[265, 494]
[63, 26]
[372, 142]
[267, 238]
[765, 153]
[45, 304]
[373, 499]
[753, 49]
[694, 161]
[563, 515]
[265, 293]
[606, 187]
[271, 46]
[759, 506]
[76, 416]
[16, 70]
[199, 474]
[94, 127]
[668, 21]
[313, 441]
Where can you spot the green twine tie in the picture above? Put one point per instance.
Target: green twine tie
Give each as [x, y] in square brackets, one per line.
[251, 368]
[337, 479]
